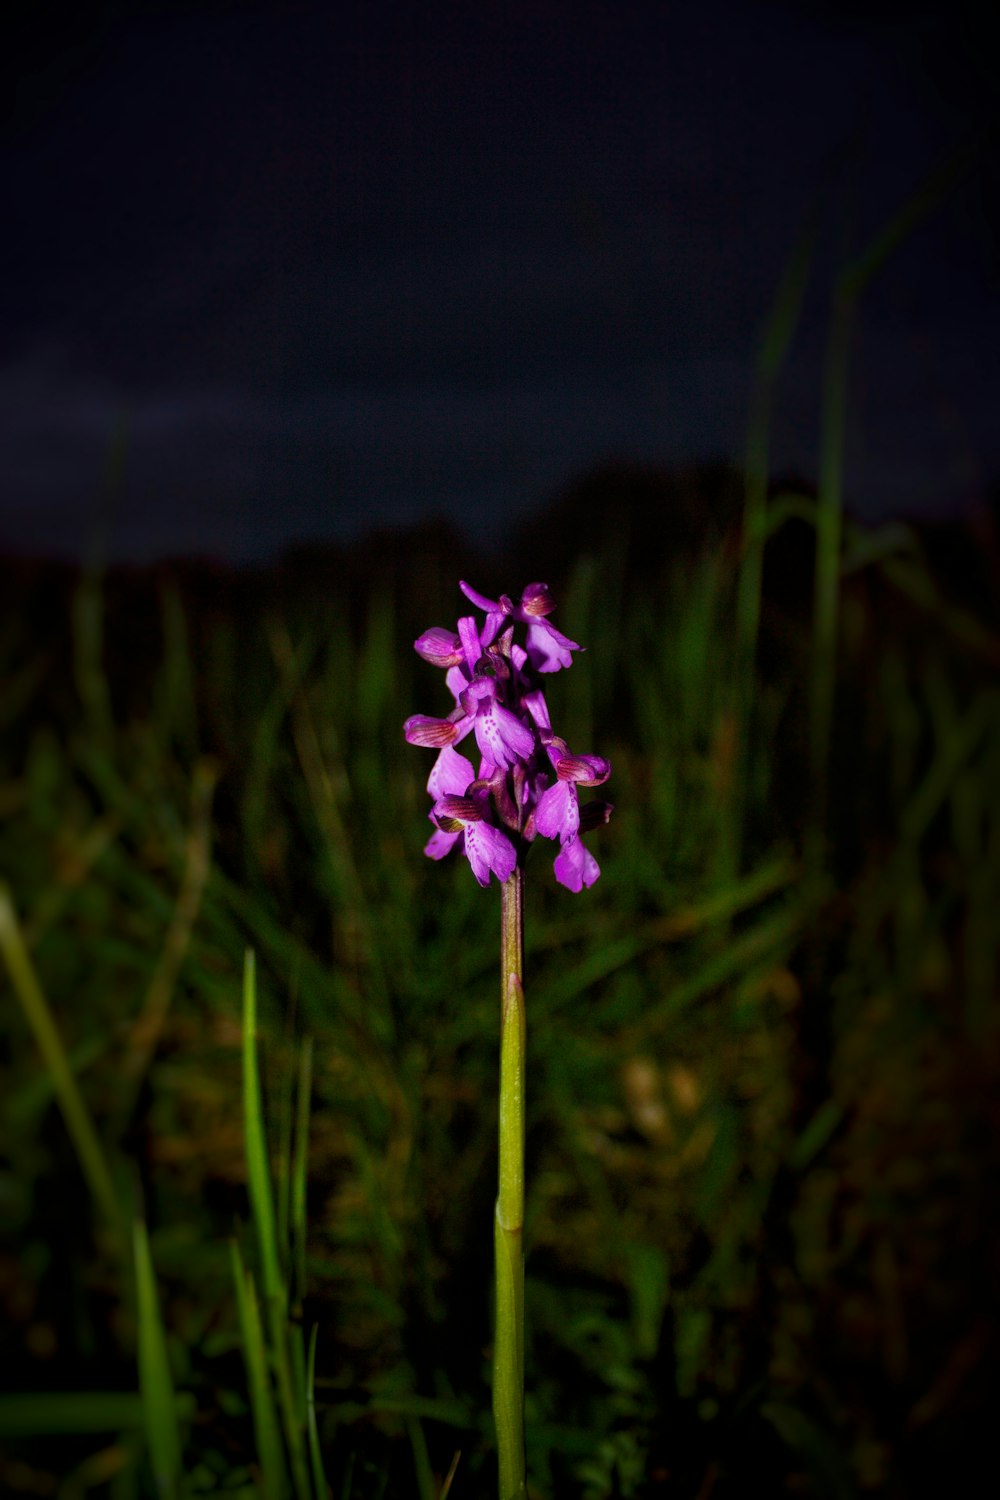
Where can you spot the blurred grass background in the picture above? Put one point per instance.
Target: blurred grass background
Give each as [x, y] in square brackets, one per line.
[762, 1228]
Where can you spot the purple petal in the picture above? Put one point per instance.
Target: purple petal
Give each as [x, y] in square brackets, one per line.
[585, 770]
[455, 808]
[489, 849]
[469, 636]
[421, 730]
[479, 600]
[537, 707]
[501, 736]
[548, 648]
[557, 815]
[491, 626]
[595, 814]
[450, 775]
[456, 680]
[479, 691]
[575, 866]
[442, 648]
[537, 600]
[496, 613]
[440, 843]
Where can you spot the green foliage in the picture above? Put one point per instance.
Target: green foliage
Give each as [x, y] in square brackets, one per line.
[760, 1109]
[726, 1075]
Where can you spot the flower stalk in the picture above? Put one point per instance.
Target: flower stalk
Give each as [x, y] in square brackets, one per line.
[527, 787]
[508, 1229]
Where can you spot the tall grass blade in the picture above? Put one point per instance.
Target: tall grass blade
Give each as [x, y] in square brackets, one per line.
[262, 1208]
[347, 1488]
[777, 338]
[258, 1167]
[86, 1143]
[851, 282]
[155, 1381]
[299, 1172]
[270, 1455]
[321, 1487]
[152, 1018]
[426, 1488]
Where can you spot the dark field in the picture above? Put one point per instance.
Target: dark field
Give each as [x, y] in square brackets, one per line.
[762, 1234]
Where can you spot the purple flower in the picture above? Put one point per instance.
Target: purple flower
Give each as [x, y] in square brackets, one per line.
[442, 648]
[434, 733]
[558, 813]
[575, 866]
[502, 737]
[529, 782]
[548, 649]
[461, 811]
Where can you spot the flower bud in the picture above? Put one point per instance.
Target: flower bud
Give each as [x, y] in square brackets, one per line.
[462, 809]
[595, 815]
[442, 648]
[421, 730]
[585, 770]
[537, 600]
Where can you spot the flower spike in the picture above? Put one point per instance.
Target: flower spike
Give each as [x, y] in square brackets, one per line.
[529, 781]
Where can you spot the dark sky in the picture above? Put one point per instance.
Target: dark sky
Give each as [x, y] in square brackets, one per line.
[333, 266]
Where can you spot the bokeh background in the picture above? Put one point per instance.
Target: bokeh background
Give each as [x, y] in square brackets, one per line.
[309, 312]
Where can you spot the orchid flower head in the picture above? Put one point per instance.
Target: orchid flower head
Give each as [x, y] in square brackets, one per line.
[547, 648]
[528, 784]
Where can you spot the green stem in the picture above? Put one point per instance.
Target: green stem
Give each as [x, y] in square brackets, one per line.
[90, 1152]
[508, 1346]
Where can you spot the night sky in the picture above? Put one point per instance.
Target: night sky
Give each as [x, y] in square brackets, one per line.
[332, 267]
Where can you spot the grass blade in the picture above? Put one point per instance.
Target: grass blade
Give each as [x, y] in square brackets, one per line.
[851, 283]
[25, 1414]
[78, 1121]
[299, 1169]
[149, 1024]
[426, 1488]
[270, 1454]
[778, 334]
[258, 1167]
[262, 1208]
[320, 1483]
[155, 1382]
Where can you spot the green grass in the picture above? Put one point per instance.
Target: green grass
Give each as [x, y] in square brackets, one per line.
[759, 1106]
